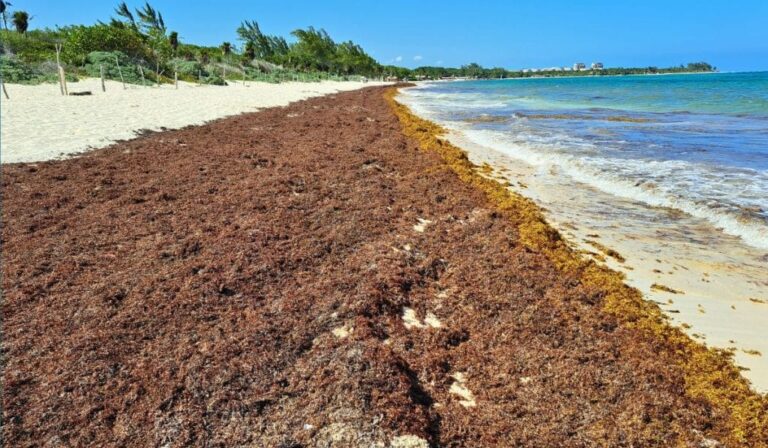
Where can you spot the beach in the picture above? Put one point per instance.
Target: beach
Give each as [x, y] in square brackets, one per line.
[674, 200]
[331, 272]
[38, 123]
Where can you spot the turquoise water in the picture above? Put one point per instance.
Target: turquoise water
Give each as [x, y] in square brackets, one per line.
[697, 143]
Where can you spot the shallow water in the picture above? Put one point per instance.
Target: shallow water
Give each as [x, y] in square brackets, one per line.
[697, 143]
[670, 171]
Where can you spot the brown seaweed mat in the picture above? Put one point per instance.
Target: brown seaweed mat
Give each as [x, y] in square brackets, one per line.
[306, 276]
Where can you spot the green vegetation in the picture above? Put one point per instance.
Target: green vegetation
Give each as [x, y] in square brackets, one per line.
[21, 21]
[477, 71]
[139, 41]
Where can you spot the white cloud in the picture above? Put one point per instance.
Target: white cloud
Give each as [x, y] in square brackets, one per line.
[399, 59]
[417, 58]
[440, 62]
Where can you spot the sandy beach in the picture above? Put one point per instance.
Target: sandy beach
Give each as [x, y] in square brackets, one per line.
[328, 273]
[713, 288]
[38, 123]
[711, 283]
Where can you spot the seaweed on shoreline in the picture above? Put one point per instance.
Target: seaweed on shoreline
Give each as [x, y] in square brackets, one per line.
[710, 374]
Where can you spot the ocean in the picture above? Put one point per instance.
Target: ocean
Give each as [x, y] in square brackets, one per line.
[671, 171]
[697, 143]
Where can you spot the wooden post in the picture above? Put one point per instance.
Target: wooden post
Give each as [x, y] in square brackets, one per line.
[141, 72]
[63, 81]
[157, 71]
[176, 77]
[101, 71]
[5, 92]
[199, 77]
[58, 65]
[117, 61]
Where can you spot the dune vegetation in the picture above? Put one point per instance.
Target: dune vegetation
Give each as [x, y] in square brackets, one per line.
[136, 46]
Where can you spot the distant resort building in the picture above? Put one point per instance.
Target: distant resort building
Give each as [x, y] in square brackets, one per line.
[577, 67]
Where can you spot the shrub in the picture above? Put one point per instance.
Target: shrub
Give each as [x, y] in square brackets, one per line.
[214, 80]
[83, 40]
[109, 60]
[34, 46]
[187, 68]
[16, 71]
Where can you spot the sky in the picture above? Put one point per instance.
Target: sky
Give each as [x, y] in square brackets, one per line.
[732, 35]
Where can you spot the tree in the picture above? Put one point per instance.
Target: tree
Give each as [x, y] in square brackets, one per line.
[3, 9]
[173, 39]
[250, 51]
[21, 21]
[148, 23]
[270, 48]
[81, 40]
[315, 50]
[150, 19]
[249, 31]
[205, 57]
[351, 58]
[472, 69]
[123, 11]
[226, 49]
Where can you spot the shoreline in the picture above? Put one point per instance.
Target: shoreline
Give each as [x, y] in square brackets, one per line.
[690, 270]
[330, 272]
[710, 372]
[709, 282]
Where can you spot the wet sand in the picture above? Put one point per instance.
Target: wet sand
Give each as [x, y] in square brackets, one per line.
[311, 276]
[710, 284]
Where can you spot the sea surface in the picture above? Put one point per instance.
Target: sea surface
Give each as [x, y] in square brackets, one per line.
[697, 143]
[671, 171]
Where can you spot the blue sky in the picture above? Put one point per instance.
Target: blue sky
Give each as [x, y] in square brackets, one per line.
[732, 35]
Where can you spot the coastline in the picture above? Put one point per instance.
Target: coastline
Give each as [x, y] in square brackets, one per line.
[708, 280]
[708, 284]
[573, 76]
[330, 272]
[710, 373]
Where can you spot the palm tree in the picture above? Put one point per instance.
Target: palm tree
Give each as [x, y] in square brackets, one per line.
[204, 56]
[250, 51]
[226, 48]
[21, 21]
[3, 8]
[173, 39]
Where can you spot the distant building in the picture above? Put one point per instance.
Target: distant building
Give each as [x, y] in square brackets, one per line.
[579, 66]
[597, 66]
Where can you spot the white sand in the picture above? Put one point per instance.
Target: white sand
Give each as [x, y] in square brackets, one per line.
[38, 123]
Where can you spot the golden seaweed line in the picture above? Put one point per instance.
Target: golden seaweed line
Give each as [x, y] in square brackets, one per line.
[710, 374]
